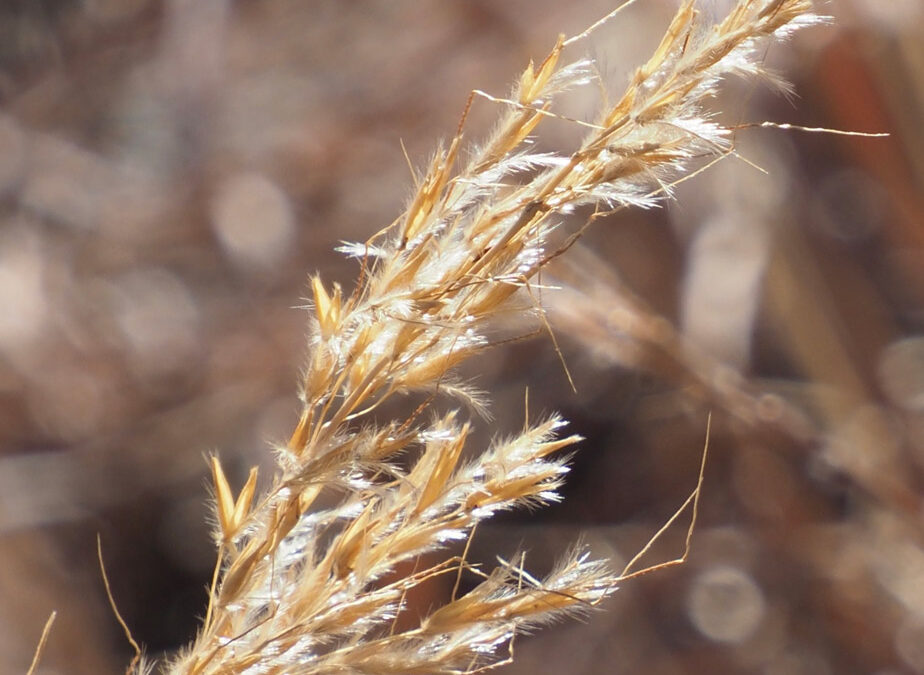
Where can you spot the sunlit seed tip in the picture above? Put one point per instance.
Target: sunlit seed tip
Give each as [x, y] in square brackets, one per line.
[223, 498]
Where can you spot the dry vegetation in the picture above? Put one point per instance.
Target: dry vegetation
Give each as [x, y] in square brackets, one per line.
[312, 589]
[357, 550]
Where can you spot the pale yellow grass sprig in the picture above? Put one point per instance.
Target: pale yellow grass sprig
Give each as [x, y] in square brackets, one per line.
[307, 578]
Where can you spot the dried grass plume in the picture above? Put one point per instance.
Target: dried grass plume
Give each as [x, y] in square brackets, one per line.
[306, 577]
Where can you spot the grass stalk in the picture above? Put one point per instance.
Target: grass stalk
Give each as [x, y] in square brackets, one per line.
[307, 580]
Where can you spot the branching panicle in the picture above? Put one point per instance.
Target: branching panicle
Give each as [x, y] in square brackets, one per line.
[308, 584]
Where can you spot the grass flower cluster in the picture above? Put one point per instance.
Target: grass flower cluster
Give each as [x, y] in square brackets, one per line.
[313, 574]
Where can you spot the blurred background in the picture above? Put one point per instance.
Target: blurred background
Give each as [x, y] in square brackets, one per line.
[170, 173]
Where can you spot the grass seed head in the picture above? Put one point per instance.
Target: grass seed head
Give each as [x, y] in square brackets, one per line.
[308, 582]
